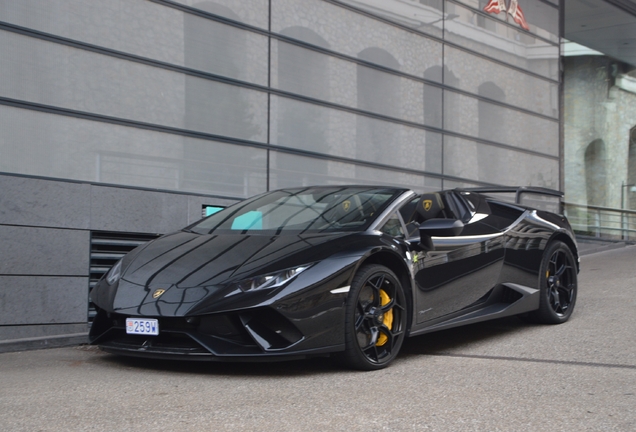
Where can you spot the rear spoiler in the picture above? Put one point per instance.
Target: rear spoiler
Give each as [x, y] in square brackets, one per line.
[517, 190]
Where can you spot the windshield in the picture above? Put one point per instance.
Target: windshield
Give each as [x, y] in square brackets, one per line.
[316, 209]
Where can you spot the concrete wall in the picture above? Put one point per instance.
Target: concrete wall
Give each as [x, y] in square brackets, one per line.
[45, 228]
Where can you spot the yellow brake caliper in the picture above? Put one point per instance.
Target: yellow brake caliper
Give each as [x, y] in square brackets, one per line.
[388, 317]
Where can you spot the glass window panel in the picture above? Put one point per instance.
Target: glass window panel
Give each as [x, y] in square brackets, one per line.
[252, 12]
[223, 109]
[312, 74]
[351, 33]
[469, 116]
[389, 95]
[423, 15]
[541, 202]
[309, 73]
[224, 50]
[318, 129]
[493, 38]
[61, 76]
[490, 164]
[542, 18]
[287, 170]
[149, 30]
[475, 74]
[453, 184]
[42, 144]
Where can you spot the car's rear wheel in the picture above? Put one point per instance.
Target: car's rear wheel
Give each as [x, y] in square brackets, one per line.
[558, 285]
[375, 321]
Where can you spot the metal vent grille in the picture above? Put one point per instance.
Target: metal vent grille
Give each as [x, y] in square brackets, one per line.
[106, 249]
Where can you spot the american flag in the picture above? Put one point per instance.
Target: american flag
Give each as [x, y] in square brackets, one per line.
[514, 10]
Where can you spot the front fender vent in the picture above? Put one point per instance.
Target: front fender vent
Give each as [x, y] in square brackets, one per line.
[270, 330]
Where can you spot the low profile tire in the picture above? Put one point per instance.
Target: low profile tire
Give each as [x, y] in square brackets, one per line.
[558, 285]
[375, 321]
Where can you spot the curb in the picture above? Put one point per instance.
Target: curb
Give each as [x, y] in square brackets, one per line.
[28, 344]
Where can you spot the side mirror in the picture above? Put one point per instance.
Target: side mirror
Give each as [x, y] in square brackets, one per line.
[438, 228]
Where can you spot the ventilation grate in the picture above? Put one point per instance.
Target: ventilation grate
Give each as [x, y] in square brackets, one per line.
[106, 249]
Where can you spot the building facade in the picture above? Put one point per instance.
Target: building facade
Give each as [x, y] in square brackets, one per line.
[127, 117]
[600, 144]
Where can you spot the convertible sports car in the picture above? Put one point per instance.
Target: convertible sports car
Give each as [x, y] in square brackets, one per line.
[348, 271]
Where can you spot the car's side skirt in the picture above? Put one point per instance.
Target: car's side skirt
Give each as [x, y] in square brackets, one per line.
[528, 301]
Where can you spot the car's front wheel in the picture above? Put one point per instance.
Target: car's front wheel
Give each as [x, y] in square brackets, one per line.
[375, 322]
[558, 285]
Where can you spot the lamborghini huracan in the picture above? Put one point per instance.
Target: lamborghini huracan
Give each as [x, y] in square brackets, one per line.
[341, 271]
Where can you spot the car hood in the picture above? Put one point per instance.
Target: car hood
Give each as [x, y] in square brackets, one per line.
[193, 270]
[188, 260]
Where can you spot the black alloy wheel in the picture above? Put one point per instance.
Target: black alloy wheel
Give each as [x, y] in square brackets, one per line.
[375, 321]
[558, 285]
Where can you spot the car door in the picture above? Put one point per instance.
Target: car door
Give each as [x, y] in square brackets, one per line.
[461, 270]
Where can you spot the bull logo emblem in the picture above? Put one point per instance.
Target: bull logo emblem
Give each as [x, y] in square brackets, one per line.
[346, 205]
[427, 204]
[158, 293]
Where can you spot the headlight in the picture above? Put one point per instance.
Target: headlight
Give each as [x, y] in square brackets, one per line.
[114, 273]
[272, 280]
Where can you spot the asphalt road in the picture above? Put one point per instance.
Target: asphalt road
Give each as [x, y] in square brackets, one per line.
[499, 376]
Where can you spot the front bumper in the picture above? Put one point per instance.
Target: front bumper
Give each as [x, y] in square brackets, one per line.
[248, 335]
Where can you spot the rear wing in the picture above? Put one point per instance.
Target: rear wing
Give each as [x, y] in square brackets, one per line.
[544, 194]
[517, 190]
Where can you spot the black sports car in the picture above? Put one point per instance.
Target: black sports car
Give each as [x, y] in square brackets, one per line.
[348, 271]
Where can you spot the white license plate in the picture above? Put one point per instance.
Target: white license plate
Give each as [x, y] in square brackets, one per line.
[142, 326]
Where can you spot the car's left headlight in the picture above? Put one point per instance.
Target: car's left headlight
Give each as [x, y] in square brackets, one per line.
[271, 280]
